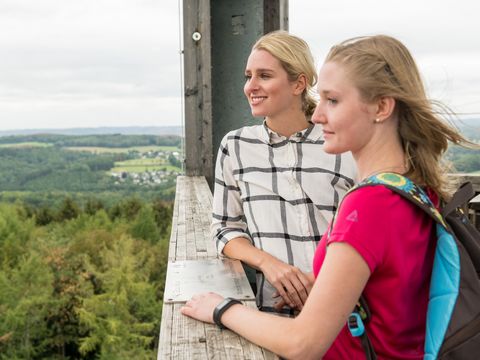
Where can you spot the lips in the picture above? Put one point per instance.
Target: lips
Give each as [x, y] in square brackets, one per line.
[255, 100]
[327, 133]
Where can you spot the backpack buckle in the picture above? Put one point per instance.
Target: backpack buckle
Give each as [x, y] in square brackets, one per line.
[355, 324]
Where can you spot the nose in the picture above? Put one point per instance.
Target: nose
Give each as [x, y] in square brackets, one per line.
[250, 85]
[318, 117]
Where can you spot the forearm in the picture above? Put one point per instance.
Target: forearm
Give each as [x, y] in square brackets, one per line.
[336, 290]
[242, 249]
[281, 335]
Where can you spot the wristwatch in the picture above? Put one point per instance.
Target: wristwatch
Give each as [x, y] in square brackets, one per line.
[221, 308]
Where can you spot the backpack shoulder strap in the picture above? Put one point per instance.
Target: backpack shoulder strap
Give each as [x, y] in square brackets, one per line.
[407, 189]
[463, 195]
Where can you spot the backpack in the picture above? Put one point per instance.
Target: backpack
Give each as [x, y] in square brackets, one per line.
[453, 315]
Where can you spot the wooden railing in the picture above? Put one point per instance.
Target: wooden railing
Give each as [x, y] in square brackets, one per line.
[184, 338]
[474, 206]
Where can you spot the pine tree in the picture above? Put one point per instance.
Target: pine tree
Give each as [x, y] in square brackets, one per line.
[25, 299]
[145, 226]
[122, 320]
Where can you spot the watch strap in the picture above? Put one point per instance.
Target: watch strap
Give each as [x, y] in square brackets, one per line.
[221, 308]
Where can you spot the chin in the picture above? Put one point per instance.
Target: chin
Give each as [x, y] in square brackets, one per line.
[258, 113]
[332, 149]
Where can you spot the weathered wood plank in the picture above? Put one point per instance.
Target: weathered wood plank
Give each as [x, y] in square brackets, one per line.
[172, 249]
[202, 192]
[191, 214]
[187, 337]
[164, 344]
[474, 179]
[182, 337]
[181, 243]
[215, 345]
[202, 226]
[201, 221]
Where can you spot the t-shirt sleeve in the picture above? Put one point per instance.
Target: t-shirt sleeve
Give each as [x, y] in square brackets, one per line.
[363, 222]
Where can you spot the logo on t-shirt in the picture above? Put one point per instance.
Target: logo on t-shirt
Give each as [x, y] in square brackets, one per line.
[353, 216]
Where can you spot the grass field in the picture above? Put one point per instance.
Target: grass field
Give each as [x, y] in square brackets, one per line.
[25, 145]
[141, 149]
[142, 165]
[140, 168]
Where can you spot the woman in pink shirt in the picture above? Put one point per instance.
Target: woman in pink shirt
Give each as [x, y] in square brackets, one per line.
[372, 103]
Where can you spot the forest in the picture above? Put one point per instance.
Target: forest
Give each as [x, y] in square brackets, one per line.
[82, 282]
[82, 257]
[107, 140]
[466, 160]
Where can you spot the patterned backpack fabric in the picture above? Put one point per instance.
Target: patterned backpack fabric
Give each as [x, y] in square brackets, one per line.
[453, 316]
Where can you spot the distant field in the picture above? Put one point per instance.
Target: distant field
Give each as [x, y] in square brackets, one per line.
[141, 149]
[26, 145]
[142, 165]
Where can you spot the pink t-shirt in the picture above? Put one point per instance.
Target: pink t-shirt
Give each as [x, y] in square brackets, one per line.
[397, 241]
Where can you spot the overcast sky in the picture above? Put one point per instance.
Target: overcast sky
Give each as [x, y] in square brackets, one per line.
[89, 63]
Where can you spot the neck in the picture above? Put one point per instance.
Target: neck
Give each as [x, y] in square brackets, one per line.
[387, 158]
[287, 126]
[399, 169]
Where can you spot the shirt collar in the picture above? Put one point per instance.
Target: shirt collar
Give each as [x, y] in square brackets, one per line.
[312, 133]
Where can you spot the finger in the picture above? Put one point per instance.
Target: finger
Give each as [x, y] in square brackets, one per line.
[300, 289]
[300, 282]
[275, 294]
[186, 310]
[298, 292]
[307, 281]
[283, 291]
[279, 305]
[293, 295]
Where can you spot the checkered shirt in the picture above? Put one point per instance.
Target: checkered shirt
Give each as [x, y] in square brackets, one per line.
[280, 193]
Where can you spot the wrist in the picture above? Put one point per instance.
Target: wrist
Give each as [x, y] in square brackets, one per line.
[264, 259]
[220, 310]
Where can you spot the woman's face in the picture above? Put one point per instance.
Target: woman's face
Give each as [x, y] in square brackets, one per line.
[267, 87]
[347, 121]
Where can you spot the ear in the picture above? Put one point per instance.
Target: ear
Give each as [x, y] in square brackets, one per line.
[300, 85]
[385, 108]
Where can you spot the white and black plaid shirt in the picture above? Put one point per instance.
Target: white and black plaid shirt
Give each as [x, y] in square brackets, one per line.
[278, 192]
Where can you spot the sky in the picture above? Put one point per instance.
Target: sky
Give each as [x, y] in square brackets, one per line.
[91, 63]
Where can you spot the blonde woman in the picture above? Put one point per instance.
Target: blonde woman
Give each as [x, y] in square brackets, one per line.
[276, 189]
[372, 103]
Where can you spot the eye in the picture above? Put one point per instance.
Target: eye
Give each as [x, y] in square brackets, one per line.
[265, 76]
[332, 101]
[247, 77]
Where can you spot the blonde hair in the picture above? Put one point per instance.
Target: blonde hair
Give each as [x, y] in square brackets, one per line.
[295, 57]
[382, 66]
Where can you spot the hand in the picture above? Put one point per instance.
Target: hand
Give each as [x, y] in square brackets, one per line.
[280, 304]
[201, 306]
[291, 283]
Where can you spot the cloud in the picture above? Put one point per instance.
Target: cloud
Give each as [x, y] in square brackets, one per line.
[66, 111]
[55, 54]
[442, 36]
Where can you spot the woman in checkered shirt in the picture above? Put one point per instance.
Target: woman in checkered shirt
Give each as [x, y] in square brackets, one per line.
[276, 189]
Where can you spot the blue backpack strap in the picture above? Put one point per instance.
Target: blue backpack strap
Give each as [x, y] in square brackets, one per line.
[445, 281]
